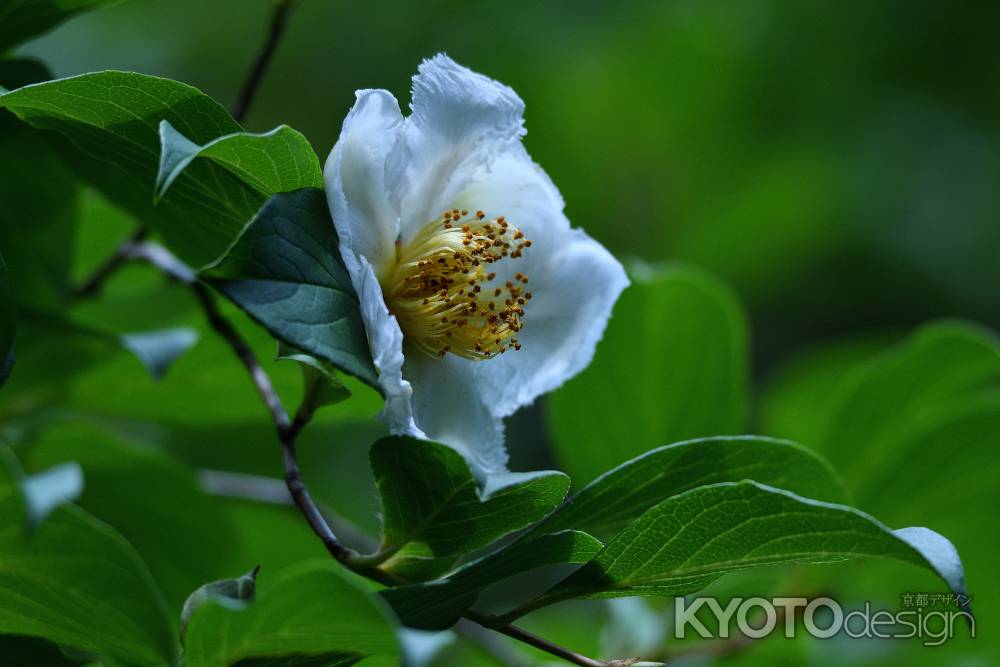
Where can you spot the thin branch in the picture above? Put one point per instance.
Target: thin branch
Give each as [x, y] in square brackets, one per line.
[257, 488]
[499, 649]
[544, 644]
[279, 19]
[162, 259]
[94, 283]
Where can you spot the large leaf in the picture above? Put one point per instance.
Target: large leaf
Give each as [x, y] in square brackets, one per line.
[20, 20]
[310, 609]
[937, 362]
[38, 210]
[688, 541]
[113, 117]
[437, 605]
[945, 473]
[184, 535]
[672, 366]
[620, 495]
[434, 511]
[285, 270]
[957, 440]
[62, 346]
[75, 581]
[796, 396]
[281, 160]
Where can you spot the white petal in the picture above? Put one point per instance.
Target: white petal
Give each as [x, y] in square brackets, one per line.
[574, 282]
[448, 406]
[461, 120]
[358, 180]
[386, 342]
[563, 323]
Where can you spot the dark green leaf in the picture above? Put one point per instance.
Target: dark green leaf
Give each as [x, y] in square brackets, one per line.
[183, 535]
[310, 609]
[285, 270]
[956, 441]
[113, 117]
[437, 605]
[434, 512]
[38, 211]
[53, 337]
[688, 541]
[672, 366]
[20, 20]
[796, 396]
[75, 581]
[281, 160]
[873, 407]
[620, 495]
[230, 593]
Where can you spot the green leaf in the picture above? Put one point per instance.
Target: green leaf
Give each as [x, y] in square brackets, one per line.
[113, 118]
[797, 395]
[310, 609]
[434, 511]
[620, 495]
[38, 212]
[76, 346]
[321, 386]
[672, 366]
[937, 362]
[285, 271]
[20, 20]
[47, 490]
[957, 440]
[183, 535]
[76, 582]
[230, 593]
[281, 160]
[688, 541]
[8, 318]
[437, 605]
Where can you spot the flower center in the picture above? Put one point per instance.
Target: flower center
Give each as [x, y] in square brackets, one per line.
[442, 290]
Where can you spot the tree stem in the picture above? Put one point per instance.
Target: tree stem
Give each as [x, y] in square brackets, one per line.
[543, 644]
[287, 430]
[161, 259]
[279, 20]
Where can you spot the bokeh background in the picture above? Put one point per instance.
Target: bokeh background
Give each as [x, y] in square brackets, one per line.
[835, 164]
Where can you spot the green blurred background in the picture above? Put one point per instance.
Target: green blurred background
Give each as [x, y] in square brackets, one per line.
[835, 164]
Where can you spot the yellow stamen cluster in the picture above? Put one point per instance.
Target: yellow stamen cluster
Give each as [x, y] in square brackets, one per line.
[440, 290]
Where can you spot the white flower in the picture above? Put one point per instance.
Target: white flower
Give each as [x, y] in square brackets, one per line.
[476, 294]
